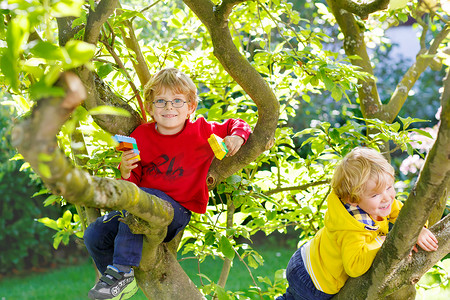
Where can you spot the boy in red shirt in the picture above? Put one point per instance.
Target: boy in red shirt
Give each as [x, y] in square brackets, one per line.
[174, 160]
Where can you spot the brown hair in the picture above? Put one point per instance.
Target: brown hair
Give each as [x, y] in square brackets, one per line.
[174, 80]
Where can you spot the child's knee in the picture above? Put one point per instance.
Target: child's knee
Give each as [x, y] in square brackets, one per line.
[90, 236]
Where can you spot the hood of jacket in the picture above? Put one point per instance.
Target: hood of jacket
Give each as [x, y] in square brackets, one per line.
[337, 217]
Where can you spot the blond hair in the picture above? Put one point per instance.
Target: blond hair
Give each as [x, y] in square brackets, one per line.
[351, 175]
[173, 79]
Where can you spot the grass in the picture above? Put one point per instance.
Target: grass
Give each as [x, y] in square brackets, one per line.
[73, 282]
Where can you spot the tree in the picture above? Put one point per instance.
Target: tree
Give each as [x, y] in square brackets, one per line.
[159, 267]
[269, 74]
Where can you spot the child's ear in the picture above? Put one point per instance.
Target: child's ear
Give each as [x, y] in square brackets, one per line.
[148, 108]
[192, 108]
[349, 201]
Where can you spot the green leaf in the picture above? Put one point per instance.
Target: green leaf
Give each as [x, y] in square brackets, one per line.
[336, 93]
[396, 4]
[24, 166]
[47, 50]
[209, 238]
[67, 8]
[51, 200]
[16, 35]
[104, 70]
[234, 179]
[108, 110]
[329, 84]
[226, 248]
[314, 81]
[67, 217]
[57, 240]
[280, 275]
[17, 156]
[48, 222]
[52, 75]
[92, 5]
[395, 127]
[408, 121]
[306, 98]
[423, 132]
[221, 293]
[306, 210]
[409, 149]
[44, 169]
[403, 17]
[41, 90]
[79, 53]
[175, 23]
[252, 262]
[265, 280]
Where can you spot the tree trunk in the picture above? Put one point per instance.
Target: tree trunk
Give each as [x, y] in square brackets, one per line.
[393, 269]
[35, 139]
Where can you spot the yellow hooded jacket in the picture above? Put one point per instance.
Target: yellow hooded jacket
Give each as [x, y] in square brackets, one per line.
[344, 247]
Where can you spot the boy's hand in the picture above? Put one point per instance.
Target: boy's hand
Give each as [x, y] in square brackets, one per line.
[127, 163]
[233, 143]
[426, 240]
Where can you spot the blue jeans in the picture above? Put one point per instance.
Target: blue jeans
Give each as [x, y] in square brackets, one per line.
[110, 241]
[301, 286]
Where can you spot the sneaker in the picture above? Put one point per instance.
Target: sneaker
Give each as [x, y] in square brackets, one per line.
[114, 285]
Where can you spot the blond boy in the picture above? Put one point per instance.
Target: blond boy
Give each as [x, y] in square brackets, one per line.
[174, 160]
[360, 208]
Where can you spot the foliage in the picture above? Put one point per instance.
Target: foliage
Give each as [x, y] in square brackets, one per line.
[286, 186]
[24, 242]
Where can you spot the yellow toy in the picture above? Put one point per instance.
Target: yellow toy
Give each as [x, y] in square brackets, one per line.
[218, 146]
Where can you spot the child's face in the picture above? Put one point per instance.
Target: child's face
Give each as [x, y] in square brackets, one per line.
[169, 119]
[378, 202]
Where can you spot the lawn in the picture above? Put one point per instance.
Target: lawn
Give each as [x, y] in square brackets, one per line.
[73, 282]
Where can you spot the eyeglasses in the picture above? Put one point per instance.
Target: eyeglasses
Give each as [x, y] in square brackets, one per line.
[161, 103]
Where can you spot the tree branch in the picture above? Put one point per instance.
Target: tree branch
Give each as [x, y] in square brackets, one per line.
[251, 82]
[225, 8]
[363, 8]
[96, 19]
[110, 49]
[138, 60]
[98, 93]
[433, 181]
[354, 45]
[412, 269]
[411, 76]
[35, 139]
[296, 188]
[407, 272]
[66, 32]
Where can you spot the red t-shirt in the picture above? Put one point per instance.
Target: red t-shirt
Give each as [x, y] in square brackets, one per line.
[178, 164]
